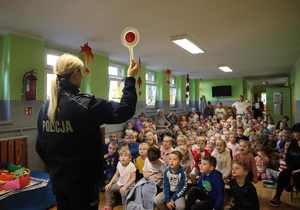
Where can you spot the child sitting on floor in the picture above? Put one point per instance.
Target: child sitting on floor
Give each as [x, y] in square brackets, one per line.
[123, 179]
[140, 160]
[110, 162]
[166, 148]
[247, 158]
[154, 167]
[175, 185]
[223, 157]
[209, 191]
[242, 190]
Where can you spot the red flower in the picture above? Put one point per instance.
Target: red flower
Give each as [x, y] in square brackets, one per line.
[168, 72]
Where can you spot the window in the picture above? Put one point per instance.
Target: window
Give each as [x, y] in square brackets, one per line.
[150, 89]
[116, 82]
[50, 78]
[172, 91]
[51, 59]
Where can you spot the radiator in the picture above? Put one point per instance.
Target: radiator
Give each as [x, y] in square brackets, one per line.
[14, 150]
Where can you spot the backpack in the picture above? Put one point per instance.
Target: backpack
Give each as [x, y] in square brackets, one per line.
[141, 196]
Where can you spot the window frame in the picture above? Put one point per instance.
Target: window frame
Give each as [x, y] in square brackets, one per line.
[172, 86]
[49, 68]
[152, 83]
[118, 78]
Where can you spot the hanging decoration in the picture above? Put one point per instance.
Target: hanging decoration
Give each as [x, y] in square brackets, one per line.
[168, 73]
[139, 80]
[139, 83]
[88, 56]
[187, 87]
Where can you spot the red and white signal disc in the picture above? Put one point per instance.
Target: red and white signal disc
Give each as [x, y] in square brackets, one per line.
[130, 37]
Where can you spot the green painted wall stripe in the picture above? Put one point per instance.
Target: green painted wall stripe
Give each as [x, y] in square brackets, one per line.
[205, 88]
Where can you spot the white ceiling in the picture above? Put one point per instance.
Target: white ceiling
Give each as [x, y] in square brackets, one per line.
[253, 37]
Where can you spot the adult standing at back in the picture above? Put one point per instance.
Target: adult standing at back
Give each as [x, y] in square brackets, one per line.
[241, 107]
[69, 140]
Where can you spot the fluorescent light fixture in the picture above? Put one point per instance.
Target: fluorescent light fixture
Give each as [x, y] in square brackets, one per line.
[225, 68]
[188, 45]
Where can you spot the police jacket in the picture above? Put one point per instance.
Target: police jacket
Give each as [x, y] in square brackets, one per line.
[71, 146]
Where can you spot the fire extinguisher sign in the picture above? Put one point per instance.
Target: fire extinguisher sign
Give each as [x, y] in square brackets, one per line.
[28, 111]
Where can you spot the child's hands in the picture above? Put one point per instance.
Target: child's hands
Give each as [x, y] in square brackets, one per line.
[123, 189]
[108, 187]
[170, 205]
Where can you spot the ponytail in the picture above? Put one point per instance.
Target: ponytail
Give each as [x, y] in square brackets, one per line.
[53, 100]
[66, 64]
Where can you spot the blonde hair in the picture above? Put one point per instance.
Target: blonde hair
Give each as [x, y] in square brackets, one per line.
[125, 151]
[65, 65]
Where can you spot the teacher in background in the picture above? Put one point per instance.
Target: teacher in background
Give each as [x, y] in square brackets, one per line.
[69, 140]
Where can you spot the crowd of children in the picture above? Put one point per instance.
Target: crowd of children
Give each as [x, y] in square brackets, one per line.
[191, 158]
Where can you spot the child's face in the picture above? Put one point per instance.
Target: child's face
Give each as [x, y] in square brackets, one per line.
[167, 142]
[114, 137]
[112, 149]
[205, 167]
[239, 132]
[244, 148]
[232, 139]
[191, 141]
[180, 141]
[129, 125]
[125, 159]
[143, 150]
[220, 146]
[201, 144]
[174, 161]
[238, 171]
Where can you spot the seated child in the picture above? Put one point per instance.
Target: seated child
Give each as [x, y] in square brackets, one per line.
[247, 158]
[123, 179]
[175, 184]
[232, 144]
[181, 140]
[154, 167]
[186, 162]
[262, 162]
[130, 141]
[223, 157]
[151, 139]
[210, 187]
[110, 162]
[242, 190]
[198, 153]
[140, 160]
[166, 148]
[129, 128]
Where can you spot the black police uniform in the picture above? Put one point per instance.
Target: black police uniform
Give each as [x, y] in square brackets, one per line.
[72, 147]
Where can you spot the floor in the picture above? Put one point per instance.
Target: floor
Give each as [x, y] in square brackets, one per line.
[265, 194]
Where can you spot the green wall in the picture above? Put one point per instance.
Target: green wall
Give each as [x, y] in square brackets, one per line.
[295, 91]
[1, 68]
[180, 87]
[21, 54]
[163, 89]
[205, 88]
[97, 81]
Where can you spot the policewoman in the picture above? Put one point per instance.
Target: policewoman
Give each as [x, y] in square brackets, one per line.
[69, 140]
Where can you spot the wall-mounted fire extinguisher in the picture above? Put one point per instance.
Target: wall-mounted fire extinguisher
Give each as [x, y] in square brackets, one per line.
[29, 85]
